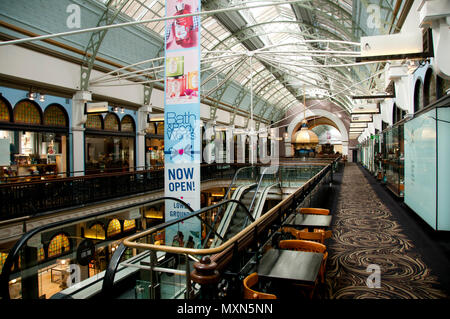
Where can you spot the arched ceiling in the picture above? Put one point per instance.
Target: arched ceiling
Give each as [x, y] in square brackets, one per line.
[298, 48]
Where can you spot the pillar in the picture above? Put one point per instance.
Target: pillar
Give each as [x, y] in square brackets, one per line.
[78, 119]
[141, 128]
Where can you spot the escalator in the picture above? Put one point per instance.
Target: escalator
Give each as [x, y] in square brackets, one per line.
[253, 196]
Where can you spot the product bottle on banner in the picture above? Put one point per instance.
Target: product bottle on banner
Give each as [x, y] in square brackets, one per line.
[183, 26]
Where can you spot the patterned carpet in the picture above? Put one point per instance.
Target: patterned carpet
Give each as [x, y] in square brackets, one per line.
[365, 233]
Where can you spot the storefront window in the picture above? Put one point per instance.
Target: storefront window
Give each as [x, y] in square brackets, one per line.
[109, 146]
[108, 152]
[37, 151]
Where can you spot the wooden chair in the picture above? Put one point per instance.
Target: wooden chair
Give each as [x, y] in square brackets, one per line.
[326, 233]
[250, 281]
[315, 211]
[305, 235]
[306, 245]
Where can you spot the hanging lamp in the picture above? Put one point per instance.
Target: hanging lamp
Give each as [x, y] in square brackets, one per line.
[305, 138]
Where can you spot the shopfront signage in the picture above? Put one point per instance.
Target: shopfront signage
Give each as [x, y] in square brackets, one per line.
[96, 107]
[85, 252]
[182, 119]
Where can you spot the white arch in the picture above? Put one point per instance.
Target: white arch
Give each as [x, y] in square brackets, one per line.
[317, 112]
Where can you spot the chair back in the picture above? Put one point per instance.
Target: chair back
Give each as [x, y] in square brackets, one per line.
[250, 281]
[318, 237]
[302, 245]
[305, 235]
[315, 211]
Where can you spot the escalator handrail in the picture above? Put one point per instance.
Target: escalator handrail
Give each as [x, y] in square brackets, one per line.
[13, 253]
[234, 179]
[231, 209]
[259, 185]
[226, 195]
[265, 191]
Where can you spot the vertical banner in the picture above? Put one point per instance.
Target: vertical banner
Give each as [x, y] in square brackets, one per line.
[182, 120]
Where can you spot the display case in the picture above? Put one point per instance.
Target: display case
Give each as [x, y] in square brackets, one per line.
[393, 159]
[427, 169]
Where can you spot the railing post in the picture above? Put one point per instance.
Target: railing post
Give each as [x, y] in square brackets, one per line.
[188, 293]
[206, 274]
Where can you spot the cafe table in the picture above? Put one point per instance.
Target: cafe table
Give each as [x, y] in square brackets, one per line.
[298, 267]
[308, 220]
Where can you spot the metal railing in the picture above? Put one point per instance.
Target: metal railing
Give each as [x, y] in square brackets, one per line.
[227, 250]
[14, 252]
[31, 198]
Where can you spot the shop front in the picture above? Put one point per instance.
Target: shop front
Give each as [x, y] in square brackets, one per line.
[154, 145]
[109, 143]
[53, 261]
[33, 141]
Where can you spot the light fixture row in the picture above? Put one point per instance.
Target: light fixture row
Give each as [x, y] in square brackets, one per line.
[34, 95]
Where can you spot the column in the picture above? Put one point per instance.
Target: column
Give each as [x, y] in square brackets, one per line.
[78, 119]
[142, 125]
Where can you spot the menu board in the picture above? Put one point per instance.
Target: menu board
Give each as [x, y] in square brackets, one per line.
[420, 166]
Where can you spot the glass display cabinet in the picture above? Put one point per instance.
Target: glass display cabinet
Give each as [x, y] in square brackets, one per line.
[393, 159]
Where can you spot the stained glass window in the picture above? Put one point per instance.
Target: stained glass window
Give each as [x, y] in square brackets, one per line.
[96, 231]
[27, 112]
[94, 121]
[113, 228]
[41, 255]
[127, 124]
[111, 122]
[129, 224]
[4, 112]
[2, 260]
[54, 116]
[58, 245]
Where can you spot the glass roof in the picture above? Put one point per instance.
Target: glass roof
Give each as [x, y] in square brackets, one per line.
[300, 47]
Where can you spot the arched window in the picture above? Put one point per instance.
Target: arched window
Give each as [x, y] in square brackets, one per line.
[111, 122]
[129, 224]
[114, 228]
[127, 124]
[55, 115]
[96, 231]
[418, 96]
[5, 111]
[429, 89]
[27, 112]
[94, 121]
[59, 245]
[3, 257]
